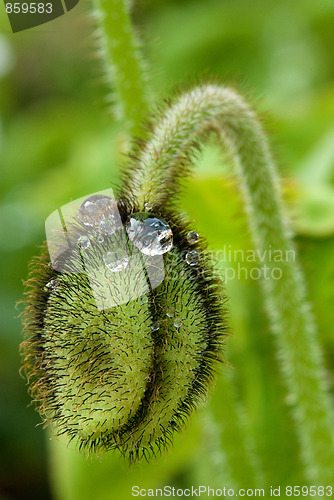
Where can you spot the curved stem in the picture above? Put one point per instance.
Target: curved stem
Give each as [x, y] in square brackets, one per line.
[123, 65]
[239, 455]
[163, 163]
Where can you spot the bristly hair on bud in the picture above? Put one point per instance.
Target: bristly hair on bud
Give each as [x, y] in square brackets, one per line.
[124, 376]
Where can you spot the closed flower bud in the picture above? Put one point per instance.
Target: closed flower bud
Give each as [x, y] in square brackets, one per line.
[122, 336]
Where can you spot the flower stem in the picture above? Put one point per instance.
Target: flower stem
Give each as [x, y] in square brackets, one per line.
[123, 65]
[163, 165]
[239, 455]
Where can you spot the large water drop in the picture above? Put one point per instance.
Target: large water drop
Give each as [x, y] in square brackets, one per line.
[151, 235]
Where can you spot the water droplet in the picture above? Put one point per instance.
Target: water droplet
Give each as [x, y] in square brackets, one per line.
[51, 285]
[177, 322]
[192, 258]
[100, 238]
[116, 261]
[148, 206]
[108, 226]
[149, 234]
[192, 237]
[84, 242]
[170, 312]
[144, 299]
[95, 209]
[155, 326]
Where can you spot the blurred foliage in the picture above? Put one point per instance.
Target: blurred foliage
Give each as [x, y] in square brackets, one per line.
[58, 142]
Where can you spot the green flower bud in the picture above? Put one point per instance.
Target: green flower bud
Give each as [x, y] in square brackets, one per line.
[120, 350]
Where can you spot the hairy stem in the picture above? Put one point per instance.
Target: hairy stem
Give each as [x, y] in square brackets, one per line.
[123, 65]
[241, 462]
[179, 130]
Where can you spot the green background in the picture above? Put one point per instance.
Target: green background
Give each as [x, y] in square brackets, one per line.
[59, 141]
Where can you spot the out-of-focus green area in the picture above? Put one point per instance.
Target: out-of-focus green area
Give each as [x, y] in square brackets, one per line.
[59, 142]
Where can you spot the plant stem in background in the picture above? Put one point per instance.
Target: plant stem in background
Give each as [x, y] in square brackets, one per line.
[227, 414]
[163, 165]
[123, 65]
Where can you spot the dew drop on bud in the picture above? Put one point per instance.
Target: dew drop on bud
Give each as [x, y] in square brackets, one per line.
[100, 238]
[155, 326]
[108, 226]
[116, 261]
[84, 242]
[51, 285]
[97, 209]
[144, 299]
[148, 206]
[192, 258]
[170, 312]
[177, 323]
[151, 235]
[192, 237]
